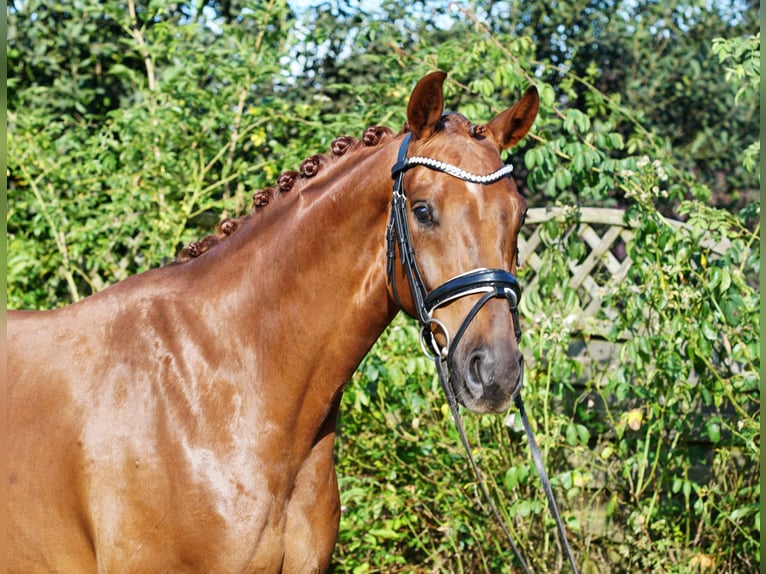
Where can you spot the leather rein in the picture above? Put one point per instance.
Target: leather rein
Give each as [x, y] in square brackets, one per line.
[490, 283]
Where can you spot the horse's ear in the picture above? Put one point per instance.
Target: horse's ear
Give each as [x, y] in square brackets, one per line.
[426, 105]
[510, 126]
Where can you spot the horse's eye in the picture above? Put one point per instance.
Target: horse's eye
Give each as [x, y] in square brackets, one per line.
[423, 214]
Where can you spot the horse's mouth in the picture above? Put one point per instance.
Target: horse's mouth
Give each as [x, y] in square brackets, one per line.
[494, 399]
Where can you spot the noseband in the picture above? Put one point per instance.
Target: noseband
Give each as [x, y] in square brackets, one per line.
[491, 284]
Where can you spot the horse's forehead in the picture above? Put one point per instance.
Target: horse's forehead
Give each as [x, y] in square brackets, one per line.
[456, 145]
[461, 143]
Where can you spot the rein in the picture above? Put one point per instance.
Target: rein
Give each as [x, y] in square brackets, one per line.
[493, 283]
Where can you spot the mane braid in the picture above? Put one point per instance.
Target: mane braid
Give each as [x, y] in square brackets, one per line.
[286, 182]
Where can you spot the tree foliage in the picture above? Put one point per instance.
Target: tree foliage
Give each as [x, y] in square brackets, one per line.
[135, 125]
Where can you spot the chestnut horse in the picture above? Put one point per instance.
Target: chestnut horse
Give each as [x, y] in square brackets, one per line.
[183, 419]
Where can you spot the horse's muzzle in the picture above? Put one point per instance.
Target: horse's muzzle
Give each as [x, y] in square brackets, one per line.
[486, 379]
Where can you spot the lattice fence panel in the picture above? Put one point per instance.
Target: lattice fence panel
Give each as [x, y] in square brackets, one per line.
[604, 263]
[604, 260]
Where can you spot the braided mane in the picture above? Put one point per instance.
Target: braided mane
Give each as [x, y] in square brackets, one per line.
[286, 182]
[309, 168]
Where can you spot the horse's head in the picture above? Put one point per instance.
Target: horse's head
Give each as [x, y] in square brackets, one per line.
[463, 226]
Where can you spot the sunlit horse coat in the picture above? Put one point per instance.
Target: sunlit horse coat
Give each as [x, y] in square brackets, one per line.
[184, 418]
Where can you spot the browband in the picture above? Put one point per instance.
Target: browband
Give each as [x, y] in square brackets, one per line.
[454, 171]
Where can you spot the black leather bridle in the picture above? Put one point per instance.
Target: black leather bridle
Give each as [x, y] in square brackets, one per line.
[491, 284]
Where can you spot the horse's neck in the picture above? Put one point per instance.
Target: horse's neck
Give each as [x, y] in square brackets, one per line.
[305, 285]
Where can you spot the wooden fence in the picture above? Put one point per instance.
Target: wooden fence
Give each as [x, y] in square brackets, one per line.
[605, 233]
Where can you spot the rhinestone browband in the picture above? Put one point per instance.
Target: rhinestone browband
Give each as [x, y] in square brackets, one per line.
[457, 172]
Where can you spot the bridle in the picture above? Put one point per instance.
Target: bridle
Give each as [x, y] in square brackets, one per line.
[490, 283]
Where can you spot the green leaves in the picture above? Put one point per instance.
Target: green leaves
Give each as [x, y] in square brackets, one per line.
[577, 435]
[515, 476]
[685, 333]
[576, 121]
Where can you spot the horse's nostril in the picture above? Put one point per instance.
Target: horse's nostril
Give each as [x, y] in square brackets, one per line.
[488, 379]
[475, 366]
[479, 373]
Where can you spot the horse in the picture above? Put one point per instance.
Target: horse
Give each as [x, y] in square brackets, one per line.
[183, 419]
